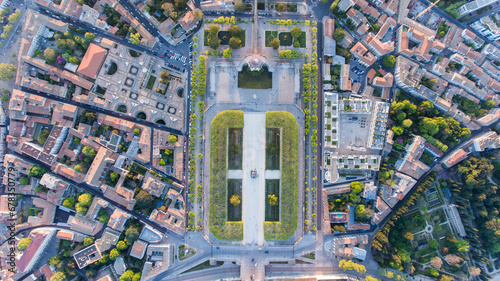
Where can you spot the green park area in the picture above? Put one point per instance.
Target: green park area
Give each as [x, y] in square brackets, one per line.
[218, 224]
[287, 199]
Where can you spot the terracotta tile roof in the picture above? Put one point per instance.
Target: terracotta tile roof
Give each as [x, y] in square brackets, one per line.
[329, 27]
[138, 249]
[91, 62]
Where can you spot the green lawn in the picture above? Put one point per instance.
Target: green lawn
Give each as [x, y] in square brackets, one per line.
[151, 82]
[270, 35]
[289, 176]
[219, 226]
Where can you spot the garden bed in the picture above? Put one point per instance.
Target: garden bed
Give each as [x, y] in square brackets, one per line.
[262, 79]
[233, 188]
[272, 149]
[272, 212]
[235, 149]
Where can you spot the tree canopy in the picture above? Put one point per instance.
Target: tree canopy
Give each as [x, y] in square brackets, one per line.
[7, 71]
[23, 243]
[235, 200]
[389, 61]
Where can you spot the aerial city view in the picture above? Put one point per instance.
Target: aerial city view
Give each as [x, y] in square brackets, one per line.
[250, 140]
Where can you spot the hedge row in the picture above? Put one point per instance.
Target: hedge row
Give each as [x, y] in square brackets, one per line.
[220, 228]
[289, 176]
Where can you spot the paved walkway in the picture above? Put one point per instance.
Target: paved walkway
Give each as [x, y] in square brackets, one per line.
[254, 146]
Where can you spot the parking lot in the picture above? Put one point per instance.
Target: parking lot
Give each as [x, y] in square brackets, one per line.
[357, 71]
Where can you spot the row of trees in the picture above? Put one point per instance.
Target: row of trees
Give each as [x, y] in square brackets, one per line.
[14, 17]
[198, 87]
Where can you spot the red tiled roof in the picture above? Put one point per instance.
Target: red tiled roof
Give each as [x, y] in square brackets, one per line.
[92, 61]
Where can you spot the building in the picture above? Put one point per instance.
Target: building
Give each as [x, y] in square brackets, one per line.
[153, 185]
[410, 164]
[188, 22]
[87, 256]
[92, 61]
[118, 219]
[138, 249]
[158, 259]
[474, 6]
[32, 254]
[455, 219]
[108, 240]
[351, 247]
[84, 225]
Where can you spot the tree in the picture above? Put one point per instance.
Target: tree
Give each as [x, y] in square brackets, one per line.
[135, 38]
[42, 137]
[61, 44]
[407, 123]
[80, 209]
[369, 278]
[90, 36]
[23, 243]
[54, 260]
[137, 131]
[131, 235]
[436, 262]
[89, 151]
[234, 30]
[180, 4]
[235, 42]
[235, 200]
[453, 259]
[172, 139]
[137, 277]
[446, 278]
[489, 104]
[88, 241]
[273, 199]
[164, 75]
[168, 9]
[227, 53]
[350, 265]
[213, 41]
[6, 31]
[339, 34]
[474, 271]
[296, 32]
[50, 55]
[127, 275]
[121, 245]
[7, 71]
[389, 61]
[58, 276]
[239, 6]
[198, 14]
[24, 181]
[441, 34]
[4, 98]
[144, 199]
[397, 130]
[409, 236]
[85, 199]
[275, 43]
[360, 211]
[462, 245]
[37, 171]
[69, 202]
[15, 16]
[114, 254]
[78, 168]
[213, 29]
